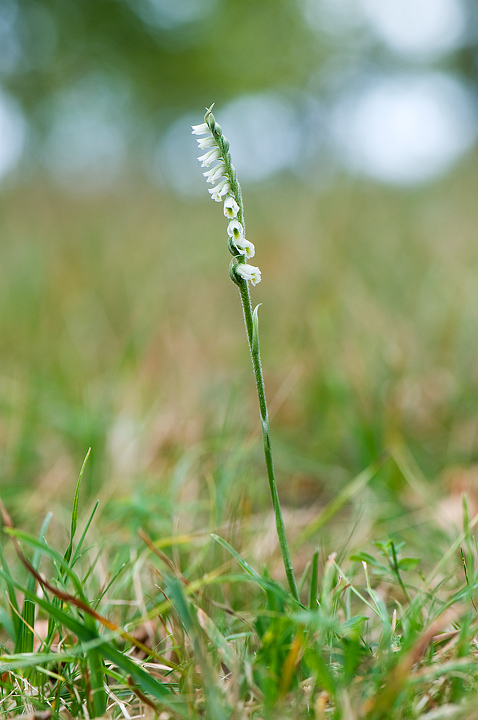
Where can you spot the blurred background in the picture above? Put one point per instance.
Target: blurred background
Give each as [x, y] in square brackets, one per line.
[353, 126]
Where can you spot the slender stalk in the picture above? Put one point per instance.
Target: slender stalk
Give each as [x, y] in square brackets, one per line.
[253, 340]
[229, 190]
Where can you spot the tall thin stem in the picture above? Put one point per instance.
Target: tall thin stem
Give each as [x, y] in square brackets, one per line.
[253, 340]
[228, 187]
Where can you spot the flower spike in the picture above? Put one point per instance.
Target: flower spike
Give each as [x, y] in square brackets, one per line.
[223, 177]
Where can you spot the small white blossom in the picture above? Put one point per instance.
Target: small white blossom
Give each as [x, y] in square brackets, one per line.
[231, 208]
[235, 230]
[209, 157]
[201, 129]
[248, 272]
[206, 142]
[214, 173]
[221, 189]
[245, 247]
[222, 185]
[217, 195]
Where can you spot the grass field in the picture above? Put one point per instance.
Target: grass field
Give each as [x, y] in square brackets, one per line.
[121, 331]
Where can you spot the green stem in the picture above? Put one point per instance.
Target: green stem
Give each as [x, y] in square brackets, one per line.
[256, 364]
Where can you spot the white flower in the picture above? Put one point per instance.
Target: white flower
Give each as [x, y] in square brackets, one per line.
[206, 142]
[248, 272]
[217, 195]
[221, 189]
[209, 157]
[201, 129]
[231, 208]
[235, 230]
[214, 173]
[245, 247]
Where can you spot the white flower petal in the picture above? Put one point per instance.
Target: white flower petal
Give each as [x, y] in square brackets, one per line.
[231, 208]
[206, 142]
[217, 195]
[245, 247]
[235, 230]
[214, 173]
[201, 129]
[209, 157]
[221, 189]
[248, 272]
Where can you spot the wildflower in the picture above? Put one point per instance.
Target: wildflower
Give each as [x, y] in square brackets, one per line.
[245, 248]
[201, 129]
[214, 173]
[248, 272]
[222, 188]
[231, 208]
[235, 230]
[209, 157]
[206, 142]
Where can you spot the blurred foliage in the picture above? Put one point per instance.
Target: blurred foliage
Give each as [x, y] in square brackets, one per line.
[120, 327]
[236, 47]
[121, 330]
[167, 66]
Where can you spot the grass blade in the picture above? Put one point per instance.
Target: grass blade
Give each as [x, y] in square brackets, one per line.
[25, 639]
[74, 512]
[109, 652]
[314, 573]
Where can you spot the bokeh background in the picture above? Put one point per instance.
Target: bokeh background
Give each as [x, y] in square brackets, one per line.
[353, 125]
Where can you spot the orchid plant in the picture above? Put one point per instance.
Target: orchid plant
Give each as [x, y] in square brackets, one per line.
[226, 189]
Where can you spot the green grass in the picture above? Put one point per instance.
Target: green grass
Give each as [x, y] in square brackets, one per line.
[189, 626]
[122, 332]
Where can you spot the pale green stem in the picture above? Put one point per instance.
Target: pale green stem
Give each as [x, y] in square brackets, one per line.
[266, 439]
